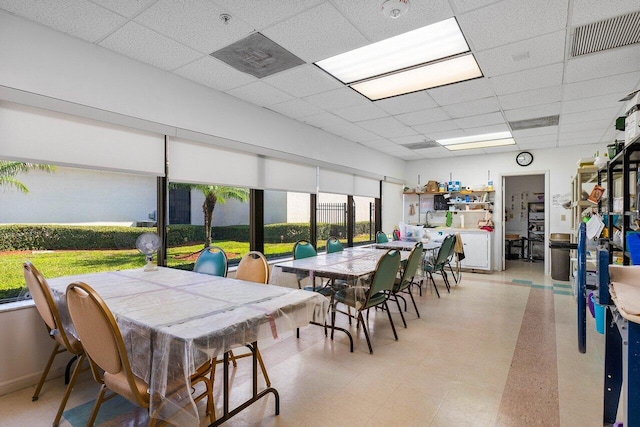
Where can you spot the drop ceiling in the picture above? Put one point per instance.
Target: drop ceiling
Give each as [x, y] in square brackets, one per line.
[523, 48]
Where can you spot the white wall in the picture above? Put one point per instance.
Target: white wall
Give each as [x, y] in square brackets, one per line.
[70, 195]
[472, 169]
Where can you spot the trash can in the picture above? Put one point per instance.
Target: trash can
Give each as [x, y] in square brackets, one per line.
[559, 244]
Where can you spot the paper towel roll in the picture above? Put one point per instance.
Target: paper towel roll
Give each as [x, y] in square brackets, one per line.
[461, 221]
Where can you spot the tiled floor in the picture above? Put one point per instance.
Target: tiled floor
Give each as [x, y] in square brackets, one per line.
[500, 349]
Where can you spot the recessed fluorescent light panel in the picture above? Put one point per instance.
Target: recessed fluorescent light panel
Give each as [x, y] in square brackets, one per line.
[498, 139]
[433, 45]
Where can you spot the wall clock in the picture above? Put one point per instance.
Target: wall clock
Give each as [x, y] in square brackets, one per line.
[524, 158]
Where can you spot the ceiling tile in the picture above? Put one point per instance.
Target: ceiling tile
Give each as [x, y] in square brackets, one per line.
[533, 112]
[549, 75]
[472, 108]
[621, 83]
[589, 116]
[355, 133]
[603, 64]
[368, 18]
[483, 130]
[504, 149]
[528, 98]
[403, 140]
[595, 124]
[387, 127]
[259, 93]
[577, 141]
[540, 141]
[512, 21]
[146, 45]
[435, 152]
[406, 103]
[76, 17]
[316, 34]
[214, 73]
[422, 117]
[377, 143]
[303, 80]
[337, 98]
[127, 8]
[531, 53]
[268, 12]
[593, 103]
[525, 133]
[462, 153]
[296, 109]
[461, 92]
[480, 120]
[462, 6]
[195, 23]
[454, 133]
[359, 113]
[436, 127]
[588, 11]
[589, 136]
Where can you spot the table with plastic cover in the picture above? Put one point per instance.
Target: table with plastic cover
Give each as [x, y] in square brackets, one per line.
[353, 266]
[173, 321]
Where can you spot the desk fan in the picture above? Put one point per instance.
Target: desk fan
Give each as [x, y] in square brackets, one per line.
[148, 244]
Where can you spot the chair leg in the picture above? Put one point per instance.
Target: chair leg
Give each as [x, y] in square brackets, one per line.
[434, 284]
[333, 319]
[264, 370]
[404, 322]
[67, 393]
[414, 302]
[446, 280]
[96, 406]
[233, 359]
[54, 352]
[366, 333]
[393, 327]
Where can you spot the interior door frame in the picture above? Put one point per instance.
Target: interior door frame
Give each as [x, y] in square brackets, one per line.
[547, 208]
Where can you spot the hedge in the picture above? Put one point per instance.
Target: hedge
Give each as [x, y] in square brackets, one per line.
[63, 237]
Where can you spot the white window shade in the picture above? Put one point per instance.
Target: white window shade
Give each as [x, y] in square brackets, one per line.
[198, 163]
[282, 175]
[366, 187]
[335, 182]
[42, 136]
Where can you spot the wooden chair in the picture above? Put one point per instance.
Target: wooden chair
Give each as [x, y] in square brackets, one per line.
[64, 341]
[103, 343]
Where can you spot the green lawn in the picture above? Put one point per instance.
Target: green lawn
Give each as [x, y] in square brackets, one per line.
[65, 263]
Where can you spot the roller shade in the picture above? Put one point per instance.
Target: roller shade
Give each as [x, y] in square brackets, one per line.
[282, 175]
[366, 187]
[335, 182]
[43, 136]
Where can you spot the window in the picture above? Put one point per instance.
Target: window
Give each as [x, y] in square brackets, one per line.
[364, 228]
[286, 220]
[331, 218]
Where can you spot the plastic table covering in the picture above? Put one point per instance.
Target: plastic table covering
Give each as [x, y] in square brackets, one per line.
[173, 321]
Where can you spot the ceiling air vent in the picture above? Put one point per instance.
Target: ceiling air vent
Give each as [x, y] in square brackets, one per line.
[423, 144]
[608, 34]
[258, 56]
[538, 122]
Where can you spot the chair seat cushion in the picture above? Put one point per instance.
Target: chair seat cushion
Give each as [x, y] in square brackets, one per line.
[398, 285]
[118, 383]
[76, 346]
[357, 298]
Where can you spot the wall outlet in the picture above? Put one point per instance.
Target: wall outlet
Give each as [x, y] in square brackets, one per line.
[563, 217]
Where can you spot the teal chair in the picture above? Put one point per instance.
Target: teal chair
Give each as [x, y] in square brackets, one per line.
[334, 245]
[304, 249]
[403, 283]
[375, 295]
[212, 260]
[440, 262]
[381, 237]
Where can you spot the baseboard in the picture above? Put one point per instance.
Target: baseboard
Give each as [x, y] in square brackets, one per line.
[28, 380]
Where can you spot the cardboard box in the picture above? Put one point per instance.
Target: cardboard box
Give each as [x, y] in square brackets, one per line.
[632, 119]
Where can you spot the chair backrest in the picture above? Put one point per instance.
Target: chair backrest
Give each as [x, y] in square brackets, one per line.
[386, 272]
[334, 245]
[303, 249]
[253, 267]
[213, 261]
[100, 334]
[445, 250]
[45, 304]
[413, 262]
[381, 237]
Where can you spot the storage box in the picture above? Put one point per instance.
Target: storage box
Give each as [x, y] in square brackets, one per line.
[632, 119]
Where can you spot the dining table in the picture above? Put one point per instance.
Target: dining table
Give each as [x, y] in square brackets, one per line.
[351, 267]
[172, 321]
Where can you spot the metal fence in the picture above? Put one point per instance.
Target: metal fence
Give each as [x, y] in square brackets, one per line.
[335, 215]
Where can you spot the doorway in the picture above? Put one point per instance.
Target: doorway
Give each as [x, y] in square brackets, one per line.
[525, 219]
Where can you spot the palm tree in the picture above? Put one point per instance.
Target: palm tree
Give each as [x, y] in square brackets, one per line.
[214, 194]
[9, 170]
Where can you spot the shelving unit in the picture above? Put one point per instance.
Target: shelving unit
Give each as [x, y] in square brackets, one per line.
[535, 227]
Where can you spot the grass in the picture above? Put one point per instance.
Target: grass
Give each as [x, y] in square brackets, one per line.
[66, 263]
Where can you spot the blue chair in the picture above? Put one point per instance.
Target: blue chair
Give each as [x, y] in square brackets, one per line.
[213, 261]
[334, 245]
[381, 237]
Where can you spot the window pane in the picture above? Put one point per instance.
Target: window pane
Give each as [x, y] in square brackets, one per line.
[186, 237]
[364, 230]
[70, 221]
[331, 218]
[286, 220]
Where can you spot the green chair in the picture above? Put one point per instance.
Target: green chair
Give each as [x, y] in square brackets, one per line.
[403, 283]
[440, 262]
[334, 245]
[304, 249]
[375, 295]
[212, 260]
[381, 237]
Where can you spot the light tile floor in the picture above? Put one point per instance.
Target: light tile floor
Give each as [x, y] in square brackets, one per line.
[448, 368]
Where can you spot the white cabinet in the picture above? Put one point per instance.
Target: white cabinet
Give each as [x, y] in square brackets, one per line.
[477, 251]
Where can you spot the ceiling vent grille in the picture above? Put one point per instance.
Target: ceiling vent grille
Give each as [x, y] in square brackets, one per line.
[422, 144]
[538, 122]
[607, 34]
